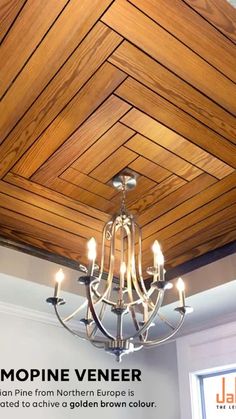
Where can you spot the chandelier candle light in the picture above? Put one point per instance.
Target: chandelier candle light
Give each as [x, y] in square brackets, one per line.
[130, 299]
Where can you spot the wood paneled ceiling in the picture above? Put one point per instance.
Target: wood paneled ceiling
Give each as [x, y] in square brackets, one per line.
[91, 87]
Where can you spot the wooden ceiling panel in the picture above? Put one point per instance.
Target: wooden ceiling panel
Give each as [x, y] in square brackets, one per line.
[149, 72]
[116, 136]
[8, 13]
[220, 13]
[77, 178]
[166, 49]
[155, 106]
[166, 187]
[149, 169]
[36, 18]
[163, 157]
[118, 161]
[62, 39]
[91, 130]
[94, 87]
[99, 43]
[186, 26]
[178, 145]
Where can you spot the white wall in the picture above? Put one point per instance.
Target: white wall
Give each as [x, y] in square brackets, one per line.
[28, 342]
[209, 349]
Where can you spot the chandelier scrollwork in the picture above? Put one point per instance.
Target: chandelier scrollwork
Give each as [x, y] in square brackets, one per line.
[125, 296]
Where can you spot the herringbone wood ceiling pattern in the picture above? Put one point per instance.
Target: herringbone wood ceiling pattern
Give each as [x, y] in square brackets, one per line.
[91, 87]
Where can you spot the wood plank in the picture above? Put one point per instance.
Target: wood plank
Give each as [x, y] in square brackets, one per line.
[180, 212]
[165, 188]
[116, 136]
[95, 91]
[166, 49]
[163, 157]
[21, 228]
[81, 195]
[34, 237]
[48, 205]
[220, 13]
[65, 35]
[176, 144]
[86, 182]
[171, 116]
[31, 25]
[213, 244]
[223, 221]
[45, 216]
[51, 195]
[86, 59]
[87, 134]
[149, 72]
[151, 218]
[8, 12]
[186, 25]
[149, 169]
[119, 160]
[190, 226]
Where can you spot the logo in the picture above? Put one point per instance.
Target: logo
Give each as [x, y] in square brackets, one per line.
[226, 397]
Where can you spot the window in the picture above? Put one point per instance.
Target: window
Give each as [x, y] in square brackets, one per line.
[218, 394]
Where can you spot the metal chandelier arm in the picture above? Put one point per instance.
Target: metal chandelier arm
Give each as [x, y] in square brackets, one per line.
[155, 342]
[94, 314]
[153, 315]
[77, 334]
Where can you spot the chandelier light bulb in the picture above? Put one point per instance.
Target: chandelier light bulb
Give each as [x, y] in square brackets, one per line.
[58, 280]
[59, 276]
[156, 248]
[181, 289]
[180, 285]
[123, 268]
[92, 249]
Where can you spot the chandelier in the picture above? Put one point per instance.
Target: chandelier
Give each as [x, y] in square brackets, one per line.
[132, 304]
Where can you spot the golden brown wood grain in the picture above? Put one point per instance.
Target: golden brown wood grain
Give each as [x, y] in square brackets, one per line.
[149, 169]
[220, 13]
[90, 54]
[65, 35]
[173, 200]
[23, 229]
[86, 182]
[190, 28]
[116, 136]
[35, 18]
[200, 200]
[169, 115]
[55, 207]
[224, 220]
[61, 199]
[47, 217]
[163, 157]
[33, 234]
[149, 72]
[166, 49]
[189, 227]
[159, 192]
[8, 12]
[210, 245]
[120, 159]
[81, 195]
[112, 85]
[94, 127]
[95, 91]
[176, 144]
